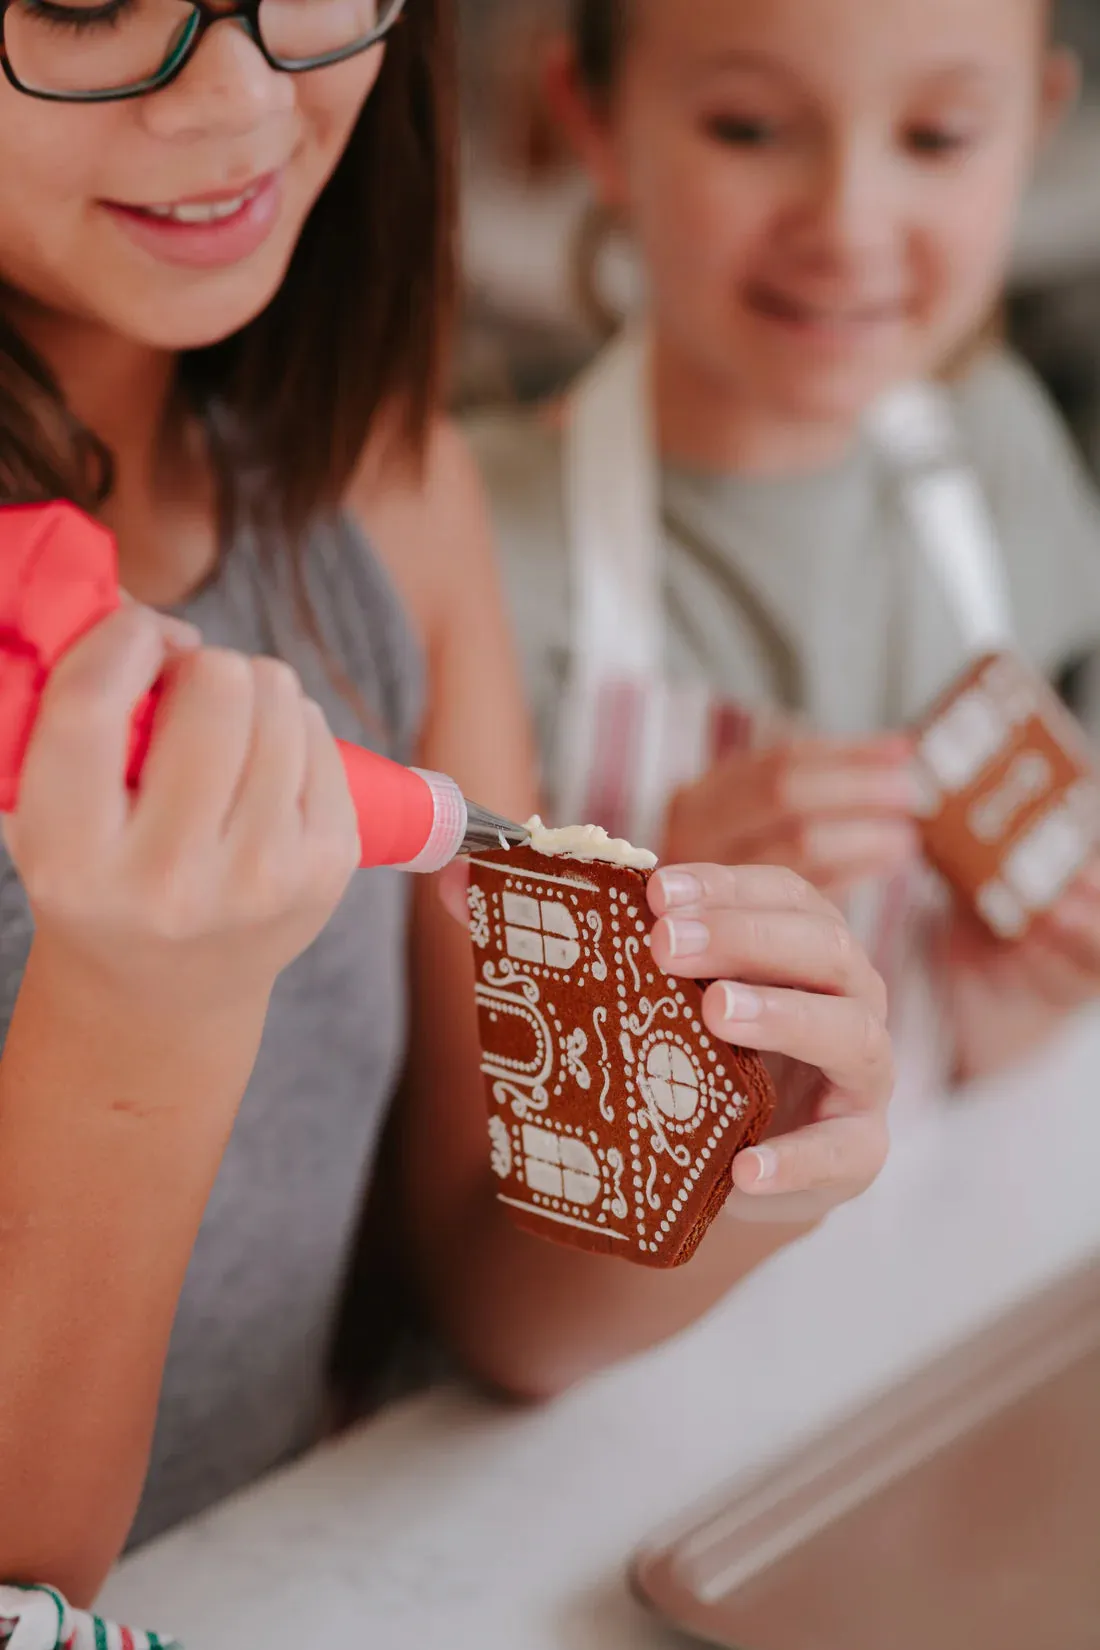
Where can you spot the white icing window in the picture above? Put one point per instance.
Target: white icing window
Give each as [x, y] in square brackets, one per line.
[1002, 910]
[673, 1082]
[559, 1167]
[1028, 779]
[1013, 688]
[541, 931]
[965, 740]
[1045, 862]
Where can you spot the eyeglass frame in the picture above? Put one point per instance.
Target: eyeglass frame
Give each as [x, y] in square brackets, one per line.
[208, 12]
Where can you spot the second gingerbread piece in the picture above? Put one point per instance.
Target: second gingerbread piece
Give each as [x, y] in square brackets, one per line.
[1013, 807]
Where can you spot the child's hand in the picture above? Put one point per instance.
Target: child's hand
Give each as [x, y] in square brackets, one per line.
[1007, 999]
[200, 889]
[837, 814]
[802, 989]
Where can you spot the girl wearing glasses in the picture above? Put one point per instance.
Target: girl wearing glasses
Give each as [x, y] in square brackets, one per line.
[225, 241]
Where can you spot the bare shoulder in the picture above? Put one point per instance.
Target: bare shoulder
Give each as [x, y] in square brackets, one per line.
[429, 525]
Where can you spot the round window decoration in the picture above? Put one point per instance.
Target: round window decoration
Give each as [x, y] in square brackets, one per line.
[673, 1081]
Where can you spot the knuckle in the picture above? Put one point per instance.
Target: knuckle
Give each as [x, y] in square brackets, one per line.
[835, 1162]
[278, 678]
[879, 996]
[874, 1043]
[169, 902]
[791, 891]
[335, 859]
[843, 950]
[221, 672]
[753, 934]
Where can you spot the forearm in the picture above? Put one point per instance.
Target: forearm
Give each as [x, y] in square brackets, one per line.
[533, 1318]
[529, 1316]
[112, 1124]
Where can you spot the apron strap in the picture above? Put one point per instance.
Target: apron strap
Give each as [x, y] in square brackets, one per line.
[628, 736]
[915, 429]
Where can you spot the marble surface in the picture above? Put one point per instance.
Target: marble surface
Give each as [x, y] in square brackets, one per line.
[452, 1524]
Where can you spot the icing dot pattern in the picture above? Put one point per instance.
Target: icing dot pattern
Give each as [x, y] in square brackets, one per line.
[614, 1116]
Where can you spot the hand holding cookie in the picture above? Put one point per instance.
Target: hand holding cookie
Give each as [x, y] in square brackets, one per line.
[836, 813]
[1007, 999]
[791, 981]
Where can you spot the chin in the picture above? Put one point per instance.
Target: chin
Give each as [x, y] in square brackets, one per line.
[832, 394]
[202, 310]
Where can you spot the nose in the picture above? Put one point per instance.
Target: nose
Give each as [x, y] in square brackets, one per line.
[226, 88]
[848, 213]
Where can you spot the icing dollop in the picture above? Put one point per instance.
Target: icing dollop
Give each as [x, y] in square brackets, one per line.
[589, 842]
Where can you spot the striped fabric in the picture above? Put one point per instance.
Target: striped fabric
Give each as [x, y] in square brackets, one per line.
[37, 1618]
[648, 739]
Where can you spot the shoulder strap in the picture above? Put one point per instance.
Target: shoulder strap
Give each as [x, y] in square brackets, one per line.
[916, 430]
[613, 511]
[627, 737]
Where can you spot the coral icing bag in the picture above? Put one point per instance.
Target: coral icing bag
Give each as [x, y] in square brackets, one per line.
[59, 578]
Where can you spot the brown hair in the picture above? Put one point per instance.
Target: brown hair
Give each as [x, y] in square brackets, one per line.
[598, 29]
[359, 328]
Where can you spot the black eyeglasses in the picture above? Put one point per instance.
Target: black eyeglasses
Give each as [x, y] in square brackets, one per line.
[101, 51]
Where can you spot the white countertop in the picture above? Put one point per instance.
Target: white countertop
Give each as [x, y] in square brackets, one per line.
[451, 1525]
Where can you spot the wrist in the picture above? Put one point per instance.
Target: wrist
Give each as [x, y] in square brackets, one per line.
[177, 1003]
[92, 1037]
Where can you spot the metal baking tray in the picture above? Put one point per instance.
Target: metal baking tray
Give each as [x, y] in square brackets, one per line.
[960, 1511]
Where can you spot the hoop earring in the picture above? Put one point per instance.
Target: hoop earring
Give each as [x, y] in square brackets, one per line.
[596, 234]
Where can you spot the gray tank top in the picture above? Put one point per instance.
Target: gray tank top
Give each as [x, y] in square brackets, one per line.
[245, 1383]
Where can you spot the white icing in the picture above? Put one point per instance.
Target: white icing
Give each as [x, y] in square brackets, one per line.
[589, 842]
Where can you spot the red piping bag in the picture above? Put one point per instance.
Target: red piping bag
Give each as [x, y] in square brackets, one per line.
[59, 578]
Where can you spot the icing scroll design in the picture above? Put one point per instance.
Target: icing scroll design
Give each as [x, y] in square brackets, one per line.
[501, 1156]
[522, 1084]
[500, 979]
[630, 951]
[650, 1195]
[607, 1110]
[479, 917]
[660, 1141]
[667, 1006]
[595, 926]
[576, 1047]
[619, 1206]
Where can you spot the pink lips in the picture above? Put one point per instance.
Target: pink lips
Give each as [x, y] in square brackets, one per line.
[214, 244]
[839, 326]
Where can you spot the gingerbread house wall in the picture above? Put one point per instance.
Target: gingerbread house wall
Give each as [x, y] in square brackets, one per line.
[612, 1111]
[1014, 807]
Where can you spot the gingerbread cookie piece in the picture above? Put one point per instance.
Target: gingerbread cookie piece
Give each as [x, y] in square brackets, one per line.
[1013, 806]
[614, 1116]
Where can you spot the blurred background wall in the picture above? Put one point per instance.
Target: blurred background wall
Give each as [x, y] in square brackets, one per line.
[526, 328]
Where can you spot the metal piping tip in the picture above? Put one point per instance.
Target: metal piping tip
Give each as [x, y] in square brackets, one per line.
[487, 832]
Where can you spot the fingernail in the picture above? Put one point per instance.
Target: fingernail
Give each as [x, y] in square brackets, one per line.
[766, 1159]
[688, 939]
[740, 1003]
[679, 888]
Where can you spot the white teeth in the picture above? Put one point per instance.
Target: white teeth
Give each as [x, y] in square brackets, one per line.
[201, 211]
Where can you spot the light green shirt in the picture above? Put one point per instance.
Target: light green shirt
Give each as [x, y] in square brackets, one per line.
[810, 594]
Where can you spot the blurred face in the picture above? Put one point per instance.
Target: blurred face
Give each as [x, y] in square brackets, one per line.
[824, 190]
[170, 220]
